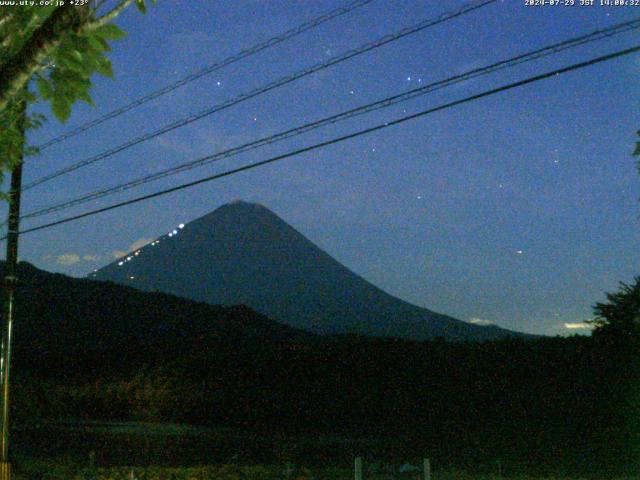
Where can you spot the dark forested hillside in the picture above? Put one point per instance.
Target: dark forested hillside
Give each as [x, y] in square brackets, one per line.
[59, 318]
[98, 350]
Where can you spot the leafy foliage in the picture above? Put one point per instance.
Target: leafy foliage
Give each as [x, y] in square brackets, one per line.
[65, 63]
[75, 60]
[13, 123]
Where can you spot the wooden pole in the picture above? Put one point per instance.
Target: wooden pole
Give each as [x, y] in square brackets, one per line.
[10, 282]
[426, 466]
[358, 469]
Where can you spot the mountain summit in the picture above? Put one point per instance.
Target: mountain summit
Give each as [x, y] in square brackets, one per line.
[242, 253]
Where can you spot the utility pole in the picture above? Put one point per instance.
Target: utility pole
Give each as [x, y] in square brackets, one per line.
[10, 282]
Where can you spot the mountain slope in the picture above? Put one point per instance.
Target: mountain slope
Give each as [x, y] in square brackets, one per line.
[242, 253]
[94, 323]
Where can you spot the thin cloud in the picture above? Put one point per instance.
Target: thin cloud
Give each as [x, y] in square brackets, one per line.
[141, 242]
[138, 244]
[578, 326]
[68, 259]
[481, 321]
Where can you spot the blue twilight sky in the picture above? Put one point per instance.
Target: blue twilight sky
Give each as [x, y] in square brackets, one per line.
[519, 209]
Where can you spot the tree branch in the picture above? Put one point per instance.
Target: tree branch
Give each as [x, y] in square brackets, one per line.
[5, 19]
[22, 34]
[17, 71]
[109, 16]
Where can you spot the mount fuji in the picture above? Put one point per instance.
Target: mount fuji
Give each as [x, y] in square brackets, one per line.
[242, 253]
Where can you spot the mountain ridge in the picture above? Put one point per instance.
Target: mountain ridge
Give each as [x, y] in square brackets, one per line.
[243, 253]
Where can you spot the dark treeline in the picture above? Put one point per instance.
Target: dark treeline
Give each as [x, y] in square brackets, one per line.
[101, 351]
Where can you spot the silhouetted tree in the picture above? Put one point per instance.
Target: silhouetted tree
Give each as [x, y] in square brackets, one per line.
[620, 315]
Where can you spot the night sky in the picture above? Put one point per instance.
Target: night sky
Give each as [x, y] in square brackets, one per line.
[519, 209]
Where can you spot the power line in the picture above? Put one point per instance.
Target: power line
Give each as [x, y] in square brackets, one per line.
[384, 103]
[210, 69]
[316, 146]
[271, 86]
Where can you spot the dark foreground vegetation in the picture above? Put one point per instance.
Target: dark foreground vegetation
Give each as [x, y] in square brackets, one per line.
[69, 470]
[562, 406]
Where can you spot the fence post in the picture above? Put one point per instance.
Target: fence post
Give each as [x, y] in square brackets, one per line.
[426, 465]
[358, 469]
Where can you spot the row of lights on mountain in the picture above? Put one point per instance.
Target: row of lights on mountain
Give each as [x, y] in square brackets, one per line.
[153, 244]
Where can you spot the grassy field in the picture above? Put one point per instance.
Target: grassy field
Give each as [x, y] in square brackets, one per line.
[58, 469]
[80, 450]
[169, 445]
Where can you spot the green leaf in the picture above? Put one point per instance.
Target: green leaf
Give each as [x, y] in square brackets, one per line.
[78, 55]
[45, 88]
[86, 98]
[68, 57]
[61, 108]
[104, 67]
[110, 32]
[105, 44]
[96, 43]
[141, 6]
